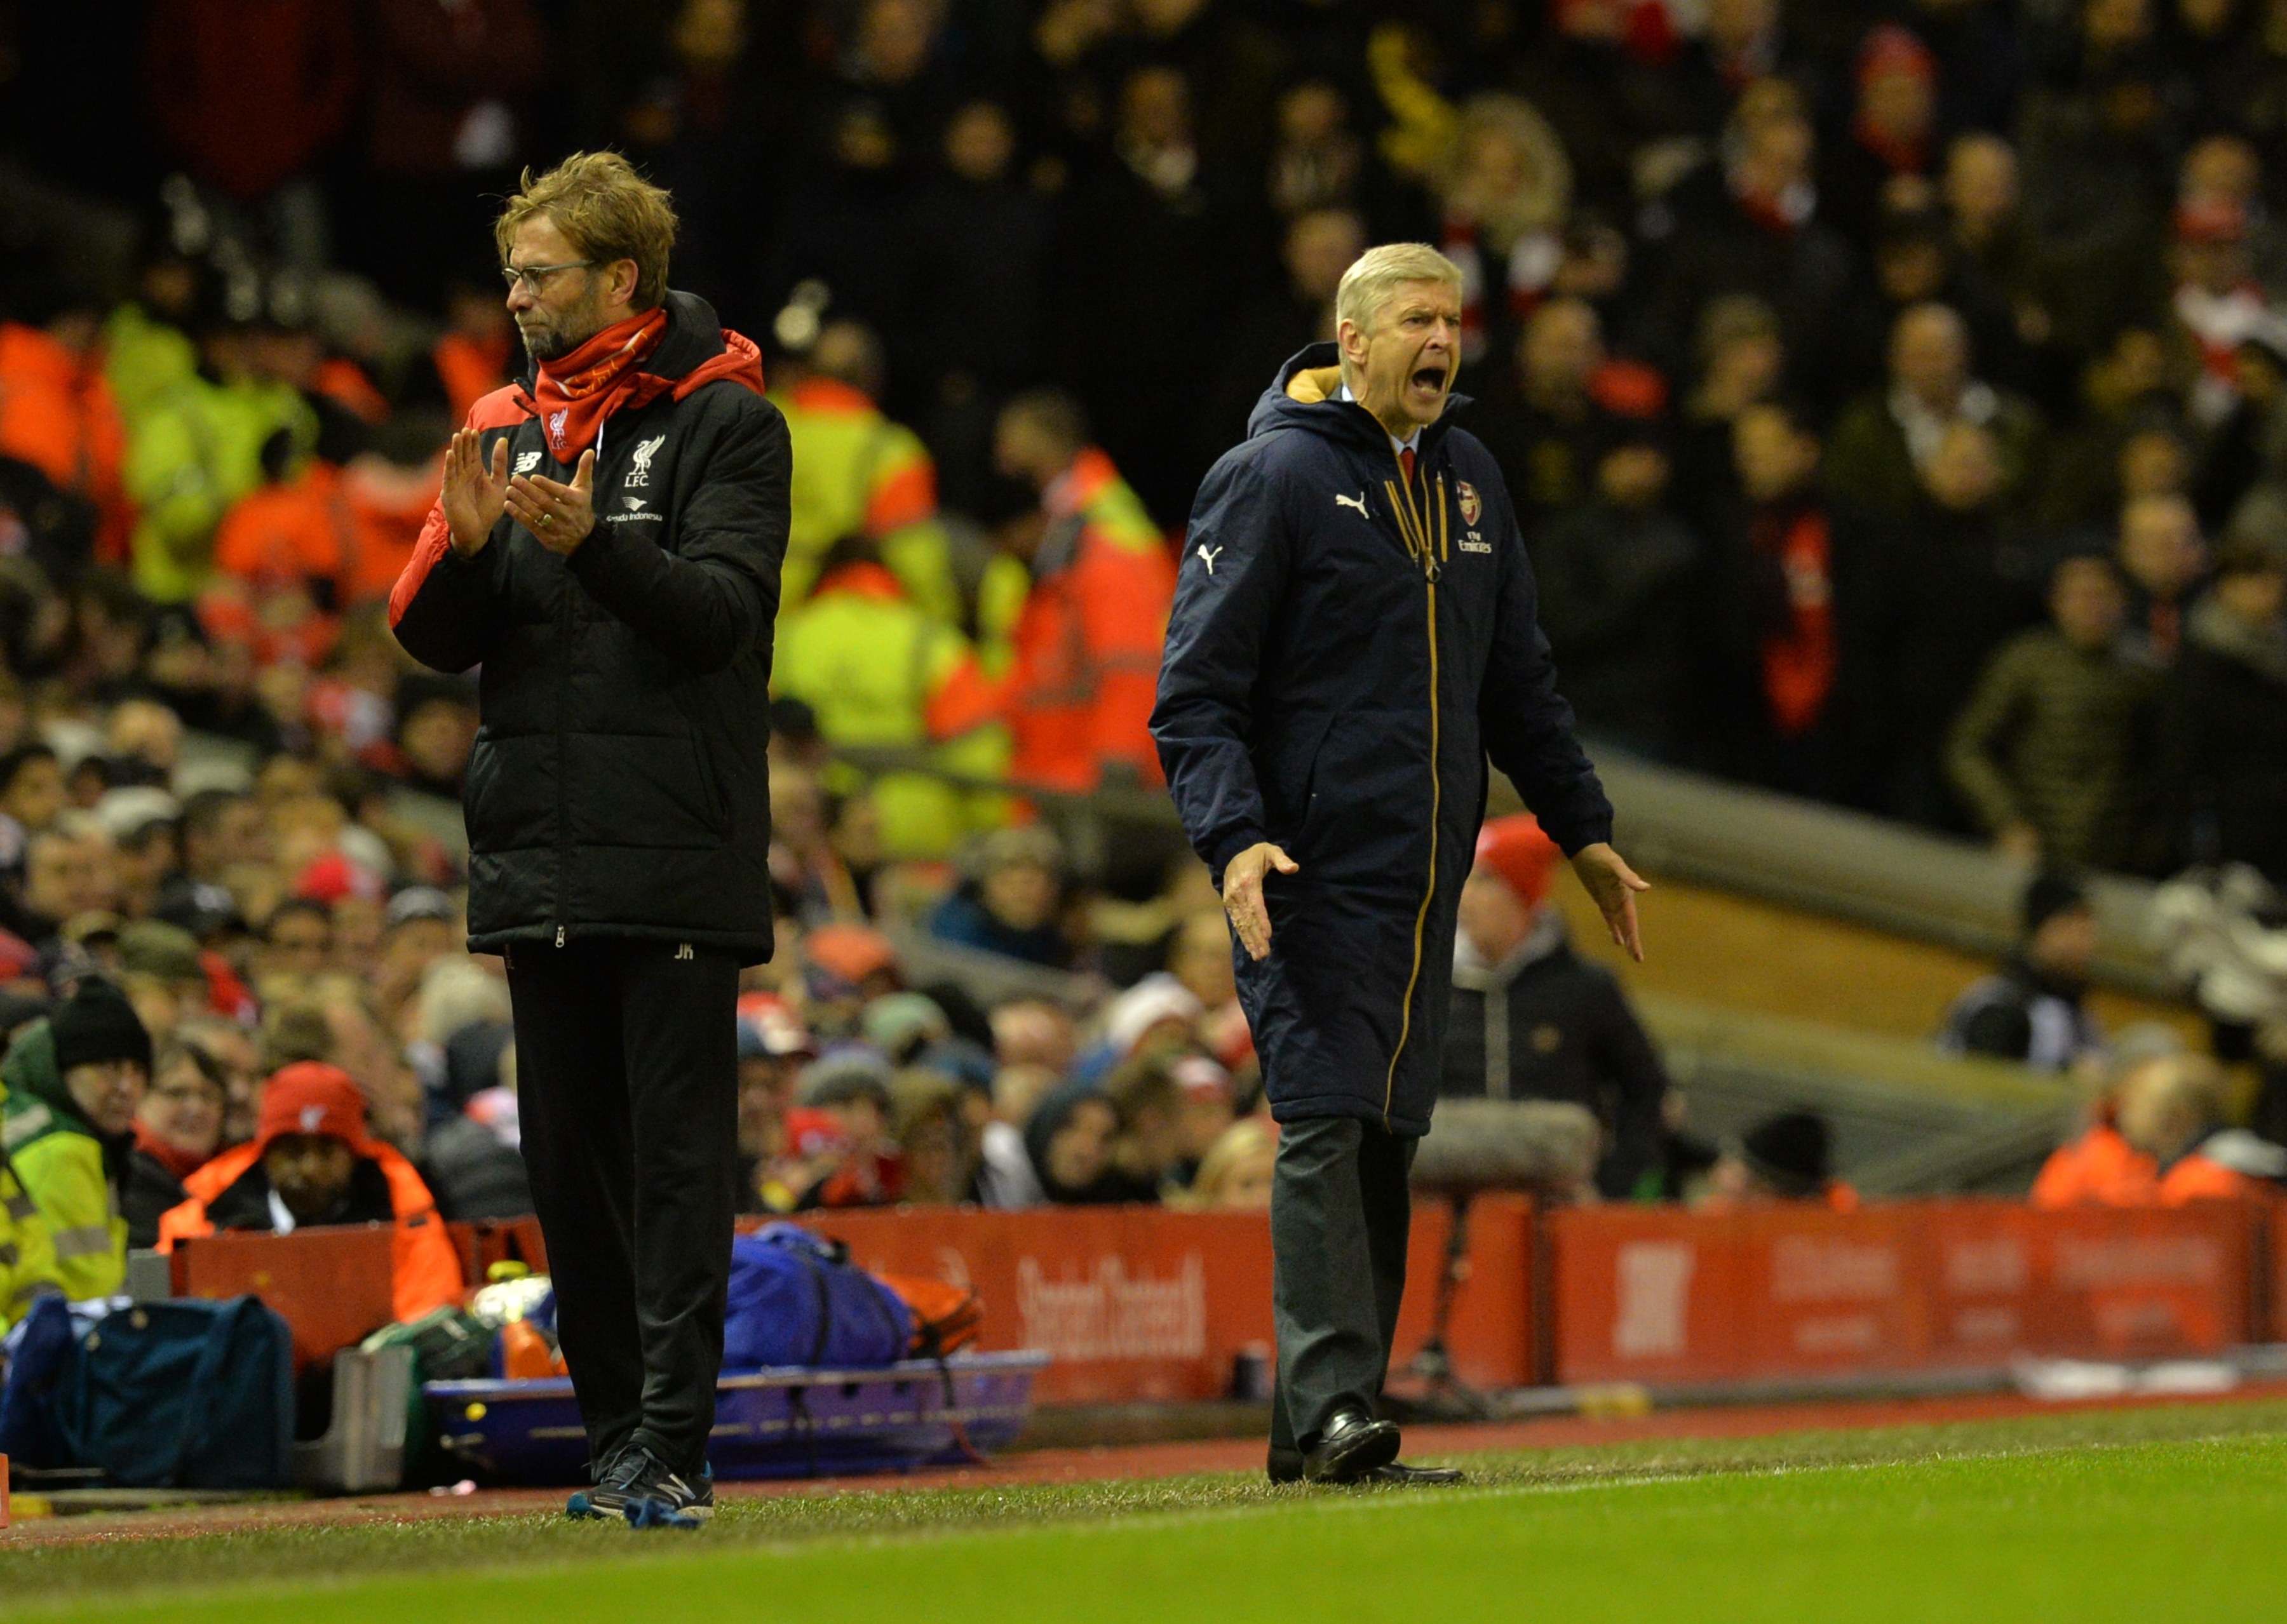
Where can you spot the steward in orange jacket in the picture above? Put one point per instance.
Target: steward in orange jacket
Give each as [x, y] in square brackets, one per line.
[311, 1163]
[2099, 1167]
[56, 413]
[1074, 630]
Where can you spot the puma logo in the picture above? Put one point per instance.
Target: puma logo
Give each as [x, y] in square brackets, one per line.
[1357, 501]
[1208, 555]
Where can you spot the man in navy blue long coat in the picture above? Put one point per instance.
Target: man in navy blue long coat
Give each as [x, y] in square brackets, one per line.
[1353, 635]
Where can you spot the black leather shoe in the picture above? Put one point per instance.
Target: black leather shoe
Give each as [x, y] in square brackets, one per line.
[1354, 1445]
[1399, 1475]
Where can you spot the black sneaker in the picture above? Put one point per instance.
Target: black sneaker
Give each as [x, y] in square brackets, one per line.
[609, 1498]
[662, 1499]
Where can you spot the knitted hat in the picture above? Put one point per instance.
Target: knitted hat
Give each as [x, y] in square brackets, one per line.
[1789, 1153]
[850, 1071]
[849, 953]
[312, 1097]
[2047, 894]
[151, 947]
[96, 1025]
[1515, 849]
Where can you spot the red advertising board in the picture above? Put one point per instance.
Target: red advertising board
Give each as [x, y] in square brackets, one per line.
[1668, 1297]
[1139, 1304]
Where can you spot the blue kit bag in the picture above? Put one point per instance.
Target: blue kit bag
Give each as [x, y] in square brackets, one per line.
[182, 1394]
[796, 1299]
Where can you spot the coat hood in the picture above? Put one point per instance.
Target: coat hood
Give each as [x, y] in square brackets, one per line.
[1307, 394]
[33, 1080]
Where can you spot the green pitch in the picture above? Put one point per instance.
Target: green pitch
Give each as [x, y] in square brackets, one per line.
[2144, 1516]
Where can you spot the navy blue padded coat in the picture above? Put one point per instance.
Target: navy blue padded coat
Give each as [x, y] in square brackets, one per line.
[1343, 656]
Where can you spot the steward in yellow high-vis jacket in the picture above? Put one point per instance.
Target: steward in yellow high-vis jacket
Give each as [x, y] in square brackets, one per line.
[74, 1084]
[879, 673]
[28, 1260]
[858, 472]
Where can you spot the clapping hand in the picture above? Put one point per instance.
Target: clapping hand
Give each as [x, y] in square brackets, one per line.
[473, 493]
[560, 515]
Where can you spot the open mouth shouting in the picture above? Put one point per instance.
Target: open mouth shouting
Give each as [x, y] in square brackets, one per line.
[1426, 386]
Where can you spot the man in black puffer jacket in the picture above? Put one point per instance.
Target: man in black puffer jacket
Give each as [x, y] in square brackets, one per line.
[1353, 633]
[607, 548]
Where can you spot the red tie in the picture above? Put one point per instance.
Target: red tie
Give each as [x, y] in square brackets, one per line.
[1405, 464]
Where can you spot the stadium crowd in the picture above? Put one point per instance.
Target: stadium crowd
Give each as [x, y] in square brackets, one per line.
[1895, 393]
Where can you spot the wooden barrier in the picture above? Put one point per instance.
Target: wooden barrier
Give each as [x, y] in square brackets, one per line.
[1667, 1297]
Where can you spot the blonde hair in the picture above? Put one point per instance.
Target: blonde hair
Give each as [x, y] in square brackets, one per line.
[606, 211]
[1377, 273]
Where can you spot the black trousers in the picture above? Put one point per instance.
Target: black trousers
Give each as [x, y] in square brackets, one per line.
[627, 1087]
[1339, 1213]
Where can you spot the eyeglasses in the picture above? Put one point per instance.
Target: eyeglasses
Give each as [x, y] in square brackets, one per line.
[530, 276]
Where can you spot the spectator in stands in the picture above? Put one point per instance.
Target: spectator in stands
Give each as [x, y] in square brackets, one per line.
[881, 674]
[2165, 558]
[1789, 563]
[858, 472]
[2049, 753]
[2100, 1166]
[75, 1084]
[1069, 1140]
[2030, 1012]
[839, 1147]
[1504, 196]
[31, 792]
[1552, 439]
[311, 1163]
[1011, 899]
[1749, 222]
[1883, 444]
[2172, 1111]
[1531, 1020]
[1788, 1157]
[176, 1132]
[1742, 362]
[1235, 1176]
[1953, 586]
[2224, 757]
[1073, 611]
[932, 1137]
[1619, 577]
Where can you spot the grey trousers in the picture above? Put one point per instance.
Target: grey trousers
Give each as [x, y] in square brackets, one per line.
[1339, 1214]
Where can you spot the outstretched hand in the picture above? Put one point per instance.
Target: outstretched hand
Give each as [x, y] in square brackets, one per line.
[1242, 895]
[1614, 885]
[560, 515]
[473, 493]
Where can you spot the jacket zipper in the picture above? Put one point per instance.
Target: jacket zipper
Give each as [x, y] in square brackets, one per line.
[1414, 527]
[570, 621]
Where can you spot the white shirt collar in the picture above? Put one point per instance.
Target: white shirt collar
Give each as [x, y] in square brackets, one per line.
[281, 1216]
[1411, 442]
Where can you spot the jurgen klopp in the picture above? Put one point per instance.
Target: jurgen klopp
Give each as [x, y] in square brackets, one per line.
[606, 549]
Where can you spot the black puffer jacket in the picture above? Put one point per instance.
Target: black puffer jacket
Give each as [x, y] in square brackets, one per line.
[619, 787]
[1342, 657]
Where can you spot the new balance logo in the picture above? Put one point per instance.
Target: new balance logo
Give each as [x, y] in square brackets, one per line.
[639, 470]
[1207, 555]
[526, 461]
[1357, 501]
